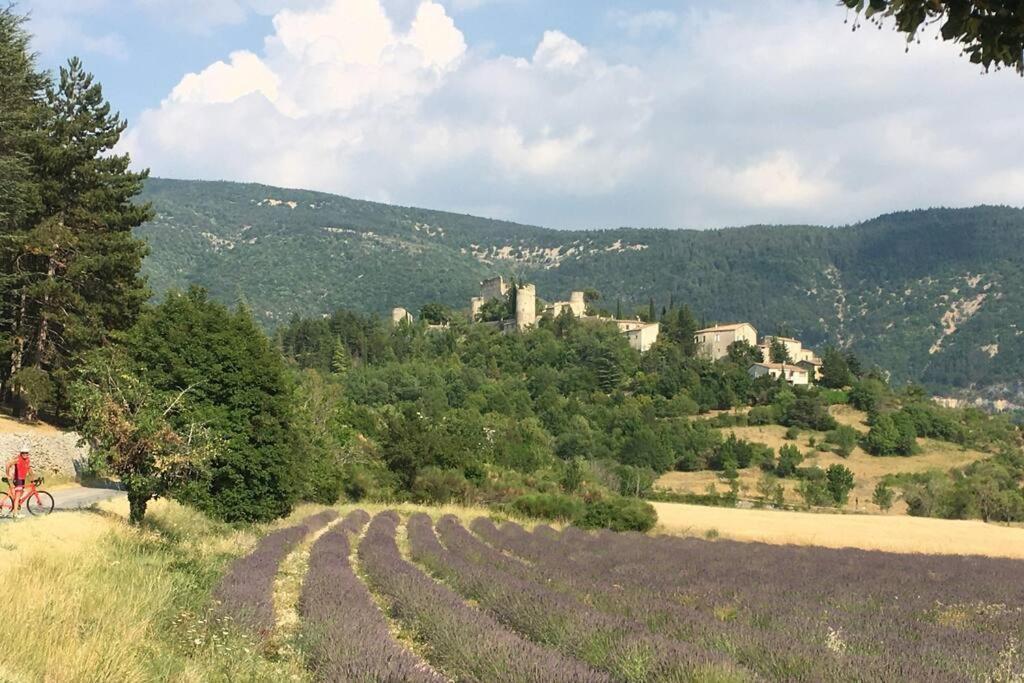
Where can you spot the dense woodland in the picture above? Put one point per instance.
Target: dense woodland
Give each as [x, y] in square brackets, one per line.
[184, 396]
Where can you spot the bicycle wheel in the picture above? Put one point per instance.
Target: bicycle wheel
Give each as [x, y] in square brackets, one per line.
[6, 505]
[39, 504]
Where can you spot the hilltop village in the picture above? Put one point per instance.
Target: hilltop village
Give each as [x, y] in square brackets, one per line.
[641, 335]
[797, 366]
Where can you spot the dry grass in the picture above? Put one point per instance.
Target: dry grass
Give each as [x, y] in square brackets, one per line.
[103, 601]
[9, 425]
[867, 469]
[868, 532]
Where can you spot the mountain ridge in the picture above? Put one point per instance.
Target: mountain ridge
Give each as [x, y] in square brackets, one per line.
[930, 294]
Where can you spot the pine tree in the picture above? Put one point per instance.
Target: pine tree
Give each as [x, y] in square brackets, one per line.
[21, 113]
[341, 361]
[618, 309]
[78, 264]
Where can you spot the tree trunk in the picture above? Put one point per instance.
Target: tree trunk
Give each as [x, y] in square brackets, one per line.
[18, 353]
[137, 502]
[44, 319]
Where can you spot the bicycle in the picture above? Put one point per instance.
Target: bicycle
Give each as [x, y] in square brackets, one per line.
[39, 503]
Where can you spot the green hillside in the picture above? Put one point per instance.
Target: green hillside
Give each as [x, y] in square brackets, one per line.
[931, 295]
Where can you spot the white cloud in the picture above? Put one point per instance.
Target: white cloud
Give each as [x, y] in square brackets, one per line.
[773, 112]
[226, 82]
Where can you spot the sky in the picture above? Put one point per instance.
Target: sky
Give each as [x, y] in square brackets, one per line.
[567, 114]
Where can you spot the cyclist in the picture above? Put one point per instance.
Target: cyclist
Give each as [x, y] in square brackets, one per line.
[19, 469]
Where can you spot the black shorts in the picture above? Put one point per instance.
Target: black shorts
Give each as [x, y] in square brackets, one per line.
[19, 483]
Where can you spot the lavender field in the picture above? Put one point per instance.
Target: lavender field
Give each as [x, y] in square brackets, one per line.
[394, 598]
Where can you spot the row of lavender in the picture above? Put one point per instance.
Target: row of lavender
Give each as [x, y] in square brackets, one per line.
[618, 644]
[346, 635]
[246, 593]
[787, 613]
[466, 643]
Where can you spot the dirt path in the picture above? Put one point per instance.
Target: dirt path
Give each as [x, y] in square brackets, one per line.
[868, 532]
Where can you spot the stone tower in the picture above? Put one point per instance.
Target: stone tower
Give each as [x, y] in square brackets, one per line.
[399, 315]
[576, 304]
[526, 307]
[474, 307]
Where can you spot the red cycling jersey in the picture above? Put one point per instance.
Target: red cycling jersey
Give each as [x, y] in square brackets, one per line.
[21, 467]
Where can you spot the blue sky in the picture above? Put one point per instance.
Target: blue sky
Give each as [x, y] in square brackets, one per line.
[583, 114]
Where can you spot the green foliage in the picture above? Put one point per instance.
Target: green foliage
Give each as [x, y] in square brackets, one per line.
[236, 382]
[883, 496]
[436, 486]
[845, 439]
[988, 489]
[777, 352]
[989, 32]
[69, 264]
[771, 490]
[835, 371]
[839, 481]
[808, 410]
[814, 492]
[891, 435]
[136, 432]
[790, 458]
[868, 395]
[551, 506]
[618, 514]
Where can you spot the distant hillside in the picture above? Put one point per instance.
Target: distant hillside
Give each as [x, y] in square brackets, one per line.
[935, 296]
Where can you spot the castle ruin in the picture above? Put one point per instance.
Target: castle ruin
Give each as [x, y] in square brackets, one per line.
[641, 335]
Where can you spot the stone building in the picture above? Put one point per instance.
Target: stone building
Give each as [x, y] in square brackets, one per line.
[713, 342]
[793, 374]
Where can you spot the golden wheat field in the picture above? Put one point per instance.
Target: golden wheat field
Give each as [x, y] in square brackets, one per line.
[868, 532]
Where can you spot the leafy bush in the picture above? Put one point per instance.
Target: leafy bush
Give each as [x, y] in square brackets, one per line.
[883, 496]
[834, 397]
[815, 493]
[891, 436]
[761, 415]
[839, 482]
[792, 434]
[552, 506]
[618, 514]
[845, 439]
[789, 459]
[808, 411]
[436, 486]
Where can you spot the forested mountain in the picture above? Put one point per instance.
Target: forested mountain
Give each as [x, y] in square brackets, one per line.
[934, 295]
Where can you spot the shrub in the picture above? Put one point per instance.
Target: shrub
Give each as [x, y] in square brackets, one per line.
[845, 439]
[808, 411]
[813, 473]
[814, 493]
[761, 415]
[789, 459]
[552, 506]
[834, 397]
[839, 482]
[771, 490]
[618, 514]
[436, 486]
[792, 434]
[891, 436]
[883, 496]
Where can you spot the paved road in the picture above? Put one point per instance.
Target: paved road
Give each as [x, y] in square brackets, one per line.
[77, 497]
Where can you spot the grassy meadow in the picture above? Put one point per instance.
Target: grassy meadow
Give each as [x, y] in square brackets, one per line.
[867, 469]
